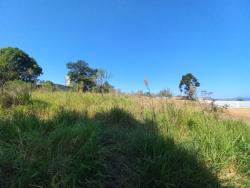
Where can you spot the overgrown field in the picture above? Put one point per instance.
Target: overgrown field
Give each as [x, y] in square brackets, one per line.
[90, 140]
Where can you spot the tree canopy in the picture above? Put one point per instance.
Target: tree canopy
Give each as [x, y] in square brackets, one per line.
[15, 64]
[82, 74]
[189, 83]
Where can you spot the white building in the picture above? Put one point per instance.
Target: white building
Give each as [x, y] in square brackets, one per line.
[67, 80]
[229, 104]
[233, 104]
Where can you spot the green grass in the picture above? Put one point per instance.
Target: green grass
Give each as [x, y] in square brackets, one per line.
[90, 140]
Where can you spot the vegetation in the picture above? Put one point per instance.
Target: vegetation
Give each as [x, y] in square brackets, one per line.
[46, 86]
[189, 83]
[165, 93]
[102, 84]
[206, 95]
[15, 93]
[80, 73]
[103, 88]
[84, 78]
[72, 139]
[15, 64]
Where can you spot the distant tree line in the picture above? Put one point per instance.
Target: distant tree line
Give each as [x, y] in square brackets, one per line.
[15, 64]
[162, 93]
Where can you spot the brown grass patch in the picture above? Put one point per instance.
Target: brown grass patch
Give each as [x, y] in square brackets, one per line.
[240, 114]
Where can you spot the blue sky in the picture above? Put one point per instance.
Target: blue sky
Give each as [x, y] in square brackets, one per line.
[158, 40]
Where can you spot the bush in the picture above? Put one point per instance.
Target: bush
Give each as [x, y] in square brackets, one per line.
[15, 93]
[103, 88]
[47, 86]
[165, 93]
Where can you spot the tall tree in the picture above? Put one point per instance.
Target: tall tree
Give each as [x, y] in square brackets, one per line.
[102, 78]
[15, 64]
[81, 74]
[189, 83]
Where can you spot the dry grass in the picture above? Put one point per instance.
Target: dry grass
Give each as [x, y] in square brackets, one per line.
[231, 172]
[242, 114]
[91, 140]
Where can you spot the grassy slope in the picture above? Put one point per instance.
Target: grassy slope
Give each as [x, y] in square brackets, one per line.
[89, 140]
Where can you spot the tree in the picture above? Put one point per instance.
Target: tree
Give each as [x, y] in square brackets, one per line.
[105, 88]
[80, 73]
[15, 64]
[102, 78]
[189, 83]
[206, 95]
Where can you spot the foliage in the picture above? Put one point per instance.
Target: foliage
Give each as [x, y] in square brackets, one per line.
[102, 84]
[75, 87]
[139, 93]
[15, 64]
[104, 88]
[206, 95]
[47, 86]
[80, 73]
[87, 140]
[15, 93]
[189, 83]
[102, 76]
[165, 93]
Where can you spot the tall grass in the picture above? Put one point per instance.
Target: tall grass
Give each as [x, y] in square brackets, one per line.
[89, 140]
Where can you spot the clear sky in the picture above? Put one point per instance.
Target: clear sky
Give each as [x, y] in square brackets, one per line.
[158, 40]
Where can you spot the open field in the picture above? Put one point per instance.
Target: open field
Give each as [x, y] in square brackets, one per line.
[89, 140]
[241, 114]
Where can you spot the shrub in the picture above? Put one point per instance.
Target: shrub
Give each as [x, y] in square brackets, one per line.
[165, 93]
[103, 88]
[47, 86]
[15, 93]
[75, 87]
